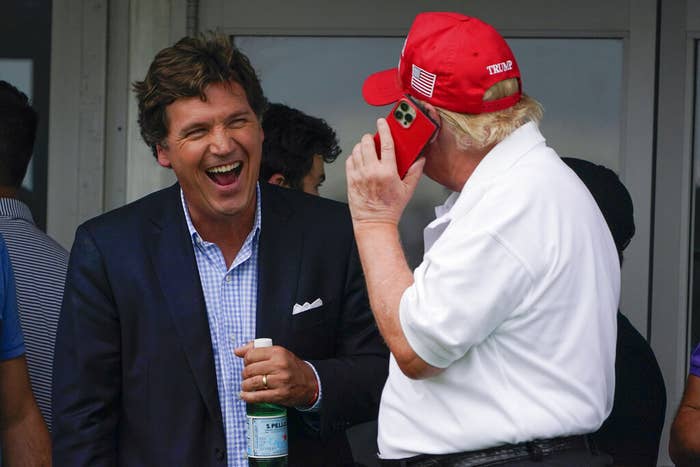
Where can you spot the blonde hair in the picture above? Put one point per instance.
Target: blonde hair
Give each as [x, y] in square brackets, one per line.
[478, 131]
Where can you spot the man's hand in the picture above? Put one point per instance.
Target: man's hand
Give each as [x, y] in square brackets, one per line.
[290, 381]
[376, 194]
[377, 198]
[684, 445]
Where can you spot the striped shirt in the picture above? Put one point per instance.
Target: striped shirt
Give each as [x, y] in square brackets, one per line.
[230, 294]
[39, 264]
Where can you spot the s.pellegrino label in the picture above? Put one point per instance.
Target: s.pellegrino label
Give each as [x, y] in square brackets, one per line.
[267, 429]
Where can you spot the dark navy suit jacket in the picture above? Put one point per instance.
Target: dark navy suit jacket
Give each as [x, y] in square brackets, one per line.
[134, 377]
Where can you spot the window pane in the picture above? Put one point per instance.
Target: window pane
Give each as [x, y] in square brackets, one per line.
[695, 304]
[579, 83]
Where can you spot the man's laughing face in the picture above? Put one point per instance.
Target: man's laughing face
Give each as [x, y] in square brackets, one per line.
[214, 146]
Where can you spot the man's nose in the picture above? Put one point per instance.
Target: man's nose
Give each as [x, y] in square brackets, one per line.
[222, 142]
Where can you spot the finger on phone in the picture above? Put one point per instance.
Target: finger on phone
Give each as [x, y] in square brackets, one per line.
[414, 172]
[387, 141]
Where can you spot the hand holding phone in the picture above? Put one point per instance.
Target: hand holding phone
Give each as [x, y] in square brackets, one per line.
[411, 128]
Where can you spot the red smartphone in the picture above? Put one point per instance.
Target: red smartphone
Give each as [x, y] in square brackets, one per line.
[411, 129]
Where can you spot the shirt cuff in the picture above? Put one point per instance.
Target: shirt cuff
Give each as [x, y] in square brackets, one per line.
[317, 405]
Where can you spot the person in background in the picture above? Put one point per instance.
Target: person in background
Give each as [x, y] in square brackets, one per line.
[24, 439]
[295, 148]
[153, 363]
[39, 262]
[503, 339]
[632, 432]
[684, 444]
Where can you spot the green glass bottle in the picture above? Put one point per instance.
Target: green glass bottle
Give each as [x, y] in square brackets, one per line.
[267, 429]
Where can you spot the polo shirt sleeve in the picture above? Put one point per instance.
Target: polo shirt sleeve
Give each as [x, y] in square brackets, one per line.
[467, 285]
[11, 340]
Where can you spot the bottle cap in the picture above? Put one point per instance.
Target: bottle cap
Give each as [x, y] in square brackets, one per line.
[262, 342]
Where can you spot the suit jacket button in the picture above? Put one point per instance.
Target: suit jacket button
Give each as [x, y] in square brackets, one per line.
[220, 454]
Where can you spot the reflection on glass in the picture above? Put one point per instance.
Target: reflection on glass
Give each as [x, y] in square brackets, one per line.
[578, 81]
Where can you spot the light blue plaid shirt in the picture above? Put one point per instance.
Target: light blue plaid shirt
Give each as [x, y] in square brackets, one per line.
[231, 298]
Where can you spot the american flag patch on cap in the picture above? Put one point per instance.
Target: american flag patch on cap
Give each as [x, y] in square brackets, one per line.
[422, 81]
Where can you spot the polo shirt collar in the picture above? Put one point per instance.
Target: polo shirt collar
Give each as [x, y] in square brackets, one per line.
[16, 209]
[497, 161]
[506, 153]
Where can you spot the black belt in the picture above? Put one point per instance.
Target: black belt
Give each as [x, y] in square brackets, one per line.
[532, 450]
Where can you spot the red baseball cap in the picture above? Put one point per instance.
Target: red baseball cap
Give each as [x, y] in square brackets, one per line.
[448, 60]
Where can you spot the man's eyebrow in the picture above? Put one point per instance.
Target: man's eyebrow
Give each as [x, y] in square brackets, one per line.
[237, 114]
[191, 126]
[204, 124]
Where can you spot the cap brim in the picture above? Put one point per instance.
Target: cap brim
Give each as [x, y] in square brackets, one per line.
[382, 88]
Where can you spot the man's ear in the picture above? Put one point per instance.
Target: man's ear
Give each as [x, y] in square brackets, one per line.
[278, 179]
[162, 154]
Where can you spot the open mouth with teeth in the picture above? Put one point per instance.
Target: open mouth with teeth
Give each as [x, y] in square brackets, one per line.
[225, 174]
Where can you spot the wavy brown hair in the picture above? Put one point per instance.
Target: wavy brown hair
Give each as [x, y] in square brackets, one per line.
[185, 70]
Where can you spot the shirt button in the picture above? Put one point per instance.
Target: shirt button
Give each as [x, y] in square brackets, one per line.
[228, 278]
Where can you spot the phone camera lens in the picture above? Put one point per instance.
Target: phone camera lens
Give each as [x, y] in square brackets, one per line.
[408, 118]
[403, 106]
[398, 114]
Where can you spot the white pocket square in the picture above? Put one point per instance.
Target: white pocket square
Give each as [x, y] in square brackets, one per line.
[306, 306]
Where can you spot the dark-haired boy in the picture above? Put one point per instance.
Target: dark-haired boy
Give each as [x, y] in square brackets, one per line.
[295, 148]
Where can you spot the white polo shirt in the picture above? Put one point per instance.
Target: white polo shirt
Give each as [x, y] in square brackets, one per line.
[516, 299]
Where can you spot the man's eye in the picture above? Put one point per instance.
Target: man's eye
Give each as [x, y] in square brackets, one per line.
[237, 123]
[195, 132]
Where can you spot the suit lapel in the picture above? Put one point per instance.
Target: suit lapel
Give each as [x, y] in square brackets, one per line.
[280, 253]
[176, 268]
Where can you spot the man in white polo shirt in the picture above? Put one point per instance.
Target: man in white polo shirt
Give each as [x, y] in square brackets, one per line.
[503, 338]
